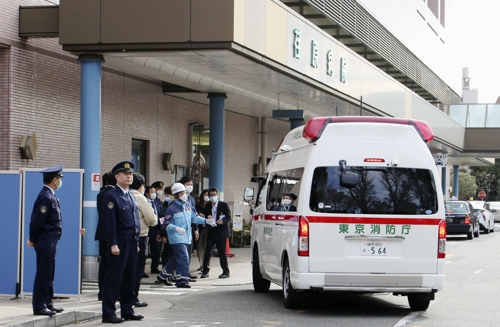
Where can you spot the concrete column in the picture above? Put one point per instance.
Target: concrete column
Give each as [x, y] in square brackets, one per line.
[456, 186]
[217, 133]
[443, 180]
[90, 145]
[263, 145]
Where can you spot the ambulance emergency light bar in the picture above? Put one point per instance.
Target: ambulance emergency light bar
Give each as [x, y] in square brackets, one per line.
[315, 127]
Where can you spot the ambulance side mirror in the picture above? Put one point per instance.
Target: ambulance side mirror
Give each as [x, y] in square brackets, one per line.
[248, 194]
[349, 180]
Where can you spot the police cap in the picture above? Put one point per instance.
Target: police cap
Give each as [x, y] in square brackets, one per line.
[124, 166]
[52, 172]
[158, 184]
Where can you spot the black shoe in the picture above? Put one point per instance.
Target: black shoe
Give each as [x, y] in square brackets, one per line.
[184, 286]
[133, 317]
[140, 304]
[57, 310]
[193, 277]
[224, 276]
[113, 320]
[145, 275]
[204, 275]
[164, 281]
[155, 271]
[44, 312]
[192, 280]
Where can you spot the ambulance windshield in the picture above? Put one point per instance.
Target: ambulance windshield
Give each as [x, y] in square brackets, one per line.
[380, 190]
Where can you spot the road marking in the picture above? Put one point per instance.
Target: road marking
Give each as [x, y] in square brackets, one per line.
[406, 320]
[479, 271]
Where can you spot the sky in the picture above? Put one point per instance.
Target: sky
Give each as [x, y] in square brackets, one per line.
[473, 40]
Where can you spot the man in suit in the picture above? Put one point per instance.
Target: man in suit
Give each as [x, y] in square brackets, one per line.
[109, 181]
[122, 226]
[287, 202]
[218, 232]
[45, 232]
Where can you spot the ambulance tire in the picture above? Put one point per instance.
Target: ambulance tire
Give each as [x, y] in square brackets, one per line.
[290, 297]
[417, 304]
[260, 285]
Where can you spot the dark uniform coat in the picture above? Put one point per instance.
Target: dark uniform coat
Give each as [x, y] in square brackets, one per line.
[45, 232]
[122, 226]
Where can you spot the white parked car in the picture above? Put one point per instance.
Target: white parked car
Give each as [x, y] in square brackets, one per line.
[486, 219]
[495, 209]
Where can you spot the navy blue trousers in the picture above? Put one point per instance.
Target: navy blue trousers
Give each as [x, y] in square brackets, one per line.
[180, 262]
[43, 287]
[119, 280]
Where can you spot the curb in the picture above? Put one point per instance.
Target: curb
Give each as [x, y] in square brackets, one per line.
[60, 319]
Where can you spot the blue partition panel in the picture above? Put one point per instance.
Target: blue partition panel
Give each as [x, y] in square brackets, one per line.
[10, 242]
[68, 258]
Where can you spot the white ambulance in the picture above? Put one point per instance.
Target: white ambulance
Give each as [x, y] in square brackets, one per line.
[351, 204]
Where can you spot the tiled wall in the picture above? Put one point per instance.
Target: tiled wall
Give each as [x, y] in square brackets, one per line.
[40, 93]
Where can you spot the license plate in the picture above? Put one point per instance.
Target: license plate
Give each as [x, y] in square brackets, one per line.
[373, 248]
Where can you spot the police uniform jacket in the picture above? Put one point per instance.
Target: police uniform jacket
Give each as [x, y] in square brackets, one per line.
[121, 216]
[180, 214]
[46, 217]
[146, 213]
[100, 232]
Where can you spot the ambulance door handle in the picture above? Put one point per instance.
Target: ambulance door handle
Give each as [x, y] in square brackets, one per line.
[280, 223]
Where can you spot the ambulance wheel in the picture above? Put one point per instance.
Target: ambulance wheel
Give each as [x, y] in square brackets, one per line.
[290, 297]
[417, 304]
[260, 285]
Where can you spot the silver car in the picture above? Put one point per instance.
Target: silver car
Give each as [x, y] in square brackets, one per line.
[486, 218]
[495, 209]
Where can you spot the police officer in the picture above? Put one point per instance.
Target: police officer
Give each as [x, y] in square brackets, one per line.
[45, 232]
[121, 220]
[178, 219]
[109, 183]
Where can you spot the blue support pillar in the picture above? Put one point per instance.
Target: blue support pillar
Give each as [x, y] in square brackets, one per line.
[217, 132]
[443, 180]
[90, 145]
[456, 185]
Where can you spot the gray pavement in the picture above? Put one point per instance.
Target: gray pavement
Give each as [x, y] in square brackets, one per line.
[18, 312]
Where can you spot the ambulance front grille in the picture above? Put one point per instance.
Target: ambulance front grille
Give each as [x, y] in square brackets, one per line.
[373, 280]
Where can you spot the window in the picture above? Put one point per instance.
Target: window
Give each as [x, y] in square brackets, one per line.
[139, 158]
[281, 183]
[380, 190]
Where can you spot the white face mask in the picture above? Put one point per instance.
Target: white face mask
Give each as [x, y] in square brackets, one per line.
[214, 198]
[167, 198]
[160, 192]
[206, 198]
[184, 197]
[153, 196]
[189, 189]
[60, 184]
[286, 202]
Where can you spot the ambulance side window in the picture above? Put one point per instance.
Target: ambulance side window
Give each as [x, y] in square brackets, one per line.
[281, 183]
[292, 186]
[261, 193]
[275, 190]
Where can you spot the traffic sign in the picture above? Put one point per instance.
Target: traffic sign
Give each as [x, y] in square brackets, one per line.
[482, 195]
[440, 159]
